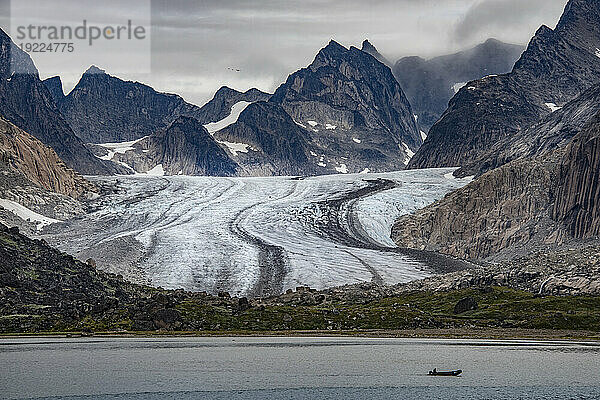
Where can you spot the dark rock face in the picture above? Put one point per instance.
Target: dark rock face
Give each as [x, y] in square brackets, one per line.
[557, 66]
[103, 108]
[515, 209]
[352, 106]
[185, 147]
[26, 102]
[220, 105]
[552, 132]
[464, 305]
[55, 87]
[368, 48]
[577, 202]
[430, 84]
[275, 144]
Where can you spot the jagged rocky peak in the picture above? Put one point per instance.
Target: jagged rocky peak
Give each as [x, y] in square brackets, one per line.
[368, 48]
[266, 141]
[26, 102]
[183, 148]
[94, 70]
[348, 88]
[557, 66]
[55, 87]
[430, 84]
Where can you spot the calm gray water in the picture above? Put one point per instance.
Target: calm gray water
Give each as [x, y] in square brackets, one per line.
[295, 368]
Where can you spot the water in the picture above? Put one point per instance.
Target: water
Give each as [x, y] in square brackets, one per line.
[295, 368]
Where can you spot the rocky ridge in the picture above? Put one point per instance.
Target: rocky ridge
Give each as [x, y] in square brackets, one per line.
[105, 109]
[526, 204]
[558, 66]
[184, 148]
[27, 103]
[430, 84]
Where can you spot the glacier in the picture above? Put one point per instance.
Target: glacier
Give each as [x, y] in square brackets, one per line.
[253, 236]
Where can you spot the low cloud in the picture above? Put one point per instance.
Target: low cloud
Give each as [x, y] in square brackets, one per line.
[509, 20]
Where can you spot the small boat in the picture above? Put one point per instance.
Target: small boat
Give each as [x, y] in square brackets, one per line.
[435, 372]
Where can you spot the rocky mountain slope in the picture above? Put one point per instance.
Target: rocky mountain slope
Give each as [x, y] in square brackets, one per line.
[185, 147]
[26, 102]
[105, 109]
[55, 87]
[577, 202]
[39, 163]
[368, 48]
[430, 84]
[554, 131]
[269, 142]
[557, 66]
[344, 113]
[524, 205]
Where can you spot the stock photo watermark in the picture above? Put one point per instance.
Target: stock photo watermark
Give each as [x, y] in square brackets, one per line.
[68, 35]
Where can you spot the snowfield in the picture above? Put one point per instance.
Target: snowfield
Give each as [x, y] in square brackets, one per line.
[254, 236]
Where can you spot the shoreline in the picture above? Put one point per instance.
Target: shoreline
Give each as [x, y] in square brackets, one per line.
[466, 334]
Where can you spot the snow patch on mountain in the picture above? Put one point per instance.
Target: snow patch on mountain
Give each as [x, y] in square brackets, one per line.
[118, 148]
[236, 148]
[26, 214]
[232, 118]
[553, 107]
[156, 171]
[409, 153]
[342, 169]
[457, 86]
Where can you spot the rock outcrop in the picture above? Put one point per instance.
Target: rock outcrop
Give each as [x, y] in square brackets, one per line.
[577, 202]
[552, 132]
[184, 148]
[522, 206]
[557, 67]
[27, 103]
[55, 87]
[430, 84]
[105, 109]
[368, 48]
[268, 142]
[38, 163]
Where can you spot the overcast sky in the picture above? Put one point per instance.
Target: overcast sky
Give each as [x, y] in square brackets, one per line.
[198, 46]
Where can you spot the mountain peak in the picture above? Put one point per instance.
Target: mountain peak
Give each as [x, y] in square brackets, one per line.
[94, 70]
[334, 47]
[55, 86]
[368, 47]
